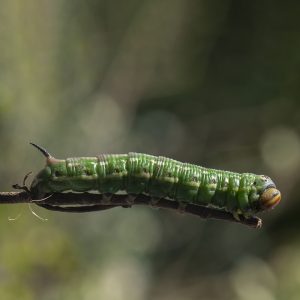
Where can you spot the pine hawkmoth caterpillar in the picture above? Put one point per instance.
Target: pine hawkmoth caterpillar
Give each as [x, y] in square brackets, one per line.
[242, 194]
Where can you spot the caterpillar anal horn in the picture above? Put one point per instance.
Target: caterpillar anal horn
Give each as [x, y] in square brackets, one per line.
[41, 149]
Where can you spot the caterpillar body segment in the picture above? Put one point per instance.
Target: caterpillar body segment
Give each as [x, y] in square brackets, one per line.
[158, 177]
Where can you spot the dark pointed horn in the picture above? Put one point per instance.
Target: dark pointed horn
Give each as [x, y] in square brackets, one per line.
[43, 150]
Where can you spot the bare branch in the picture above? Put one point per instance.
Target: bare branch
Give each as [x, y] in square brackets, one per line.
[14, 197]
[84, 202]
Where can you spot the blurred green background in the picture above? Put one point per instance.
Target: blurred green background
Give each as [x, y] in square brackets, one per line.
[215, 83]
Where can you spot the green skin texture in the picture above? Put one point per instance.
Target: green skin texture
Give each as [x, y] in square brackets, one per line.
[156, 176]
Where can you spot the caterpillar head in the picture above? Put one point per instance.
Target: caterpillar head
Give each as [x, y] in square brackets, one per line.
[268, 195]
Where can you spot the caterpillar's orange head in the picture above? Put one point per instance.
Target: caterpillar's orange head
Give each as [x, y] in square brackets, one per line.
[264, 193]
[270, 198]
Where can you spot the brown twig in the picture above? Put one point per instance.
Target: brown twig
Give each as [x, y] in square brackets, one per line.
[83, 202]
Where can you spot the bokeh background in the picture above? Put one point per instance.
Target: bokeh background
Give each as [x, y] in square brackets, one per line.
[215, 83]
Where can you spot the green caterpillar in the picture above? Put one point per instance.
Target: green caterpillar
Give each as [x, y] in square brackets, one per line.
[158, 177]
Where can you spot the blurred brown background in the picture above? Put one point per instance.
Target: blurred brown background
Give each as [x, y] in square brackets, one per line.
[210, 82]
